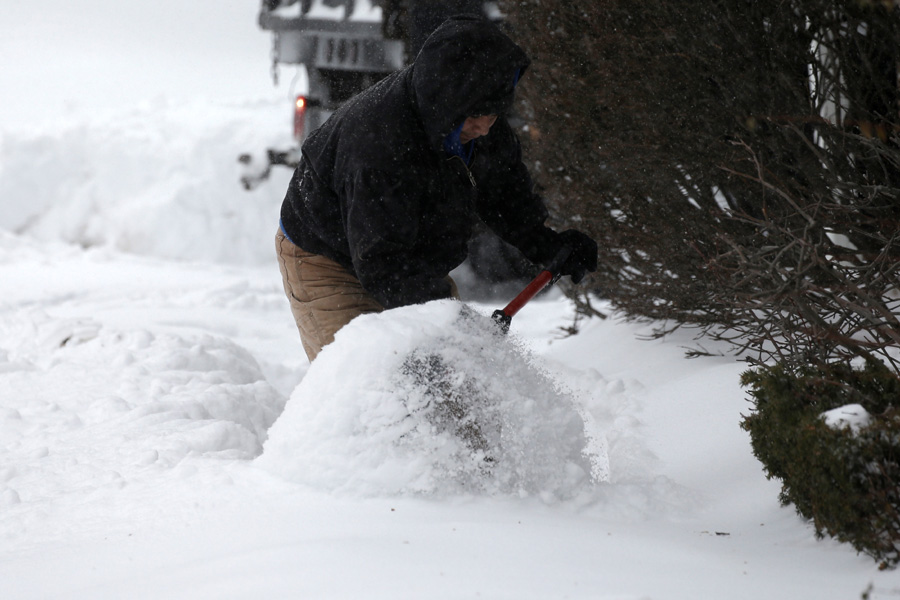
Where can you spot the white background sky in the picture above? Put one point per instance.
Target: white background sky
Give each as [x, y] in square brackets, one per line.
[74, 58]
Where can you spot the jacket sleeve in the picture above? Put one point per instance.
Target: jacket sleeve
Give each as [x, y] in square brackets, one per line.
[506, 200]
[382, 215]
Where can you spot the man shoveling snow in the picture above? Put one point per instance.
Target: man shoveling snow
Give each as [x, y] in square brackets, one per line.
[389, 189]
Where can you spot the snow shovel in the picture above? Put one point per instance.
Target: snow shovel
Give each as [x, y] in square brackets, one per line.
[450, 397]
[550, 275]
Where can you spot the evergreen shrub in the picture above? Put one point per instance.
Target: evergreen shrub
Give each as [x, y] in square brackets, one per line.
[847, 480]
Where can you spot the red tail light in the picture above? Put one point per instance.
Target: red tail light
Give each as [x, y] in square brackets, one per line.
[299, 117]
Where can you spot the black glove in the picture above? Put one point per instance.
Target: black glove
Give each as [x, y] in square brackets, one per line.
[582, 259]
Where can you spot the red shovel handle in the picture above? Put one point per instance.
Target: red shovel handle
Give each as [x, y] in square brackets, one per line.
[531, 290]
[547, 276]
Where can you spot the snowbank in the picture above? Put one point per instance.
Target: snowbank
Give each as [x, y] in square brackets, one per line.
[116, 406]
[432, 399]
[158, 180]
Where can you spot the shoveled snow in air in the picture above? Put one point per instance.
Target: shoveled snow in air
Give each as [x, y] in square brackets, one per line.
[163, 436]
[438, 401]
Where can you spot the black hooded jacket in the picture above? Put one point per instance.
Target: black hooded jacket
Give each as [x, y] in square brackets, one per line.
[376, 192]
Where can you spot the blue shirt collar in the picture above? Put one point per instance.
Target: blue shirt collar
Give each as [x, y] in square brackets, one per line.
[454, 147]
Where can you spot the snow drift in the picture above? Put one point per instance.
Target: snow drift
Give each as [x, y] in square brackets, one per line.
[463, 409]
[115, 406]
[157, 180]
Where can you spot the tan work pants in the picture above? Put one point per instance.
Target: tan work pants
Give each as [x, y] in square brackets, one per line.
[324, 295]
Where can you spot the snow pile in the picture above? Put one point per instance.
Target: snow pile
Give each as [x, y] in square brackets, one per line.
[159, 180]
[854, 416]
[464, 411]
[118, 405]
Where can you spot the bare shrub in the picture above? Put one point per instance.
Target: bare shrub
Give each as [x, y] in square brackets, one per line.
[737, 160]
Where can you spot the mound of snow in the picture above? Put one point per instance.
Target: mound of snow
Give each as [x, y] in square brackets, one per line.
[114, 406]
[159, 180]
[854, 416]
[430, 399]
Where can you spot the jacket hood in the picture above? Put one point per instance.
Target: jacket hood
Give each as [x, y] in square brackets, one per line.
[466, 67]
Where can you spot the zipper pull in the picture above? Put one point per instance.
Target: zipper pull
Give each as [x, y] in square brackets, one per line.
[471, 177]
[465, 168]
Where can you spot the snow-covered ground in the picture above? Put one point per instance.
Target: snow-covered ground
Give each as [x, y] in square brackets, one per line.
[162, 435]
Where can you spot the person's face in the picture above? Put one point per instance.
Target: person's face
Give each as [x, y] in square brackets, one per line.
[475, 127]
